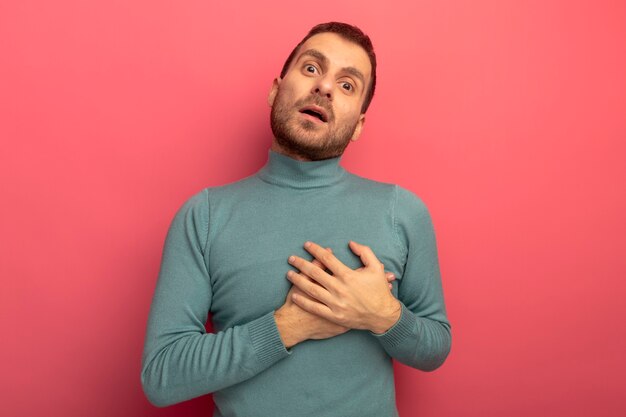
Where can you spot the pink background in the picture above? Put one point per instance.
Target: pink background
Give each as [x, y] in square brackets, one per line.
[507, 118]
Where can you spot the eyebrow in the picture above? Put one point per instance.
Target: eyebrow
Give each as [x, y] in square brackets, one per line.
[324, 60]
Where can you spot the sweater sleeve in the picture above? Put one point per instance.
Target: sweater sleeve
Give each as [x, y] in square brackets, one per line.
[181, 360]
[421, 338]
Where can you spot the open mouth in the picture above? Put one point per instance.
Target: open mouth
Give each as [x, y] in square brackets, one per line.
[316, 112]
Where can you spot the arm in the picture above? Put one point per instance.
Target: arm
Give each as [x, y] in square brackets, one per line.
[414, 328]
[180, 360]
[296, 325]
[421, 338]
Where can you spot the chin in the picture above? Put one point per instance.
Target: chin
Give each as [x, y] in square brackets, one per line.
[309, 149]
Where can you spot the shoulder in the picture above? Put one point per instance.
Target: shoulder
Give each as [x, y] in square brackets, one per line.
[193, 214]
[197, 204]
[411, 216]
[403, 199]
[408, 202]
[203, 199]
[371, 187]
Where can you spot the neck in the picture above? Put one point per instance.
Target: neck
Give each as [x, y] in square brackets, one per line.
[286, 171]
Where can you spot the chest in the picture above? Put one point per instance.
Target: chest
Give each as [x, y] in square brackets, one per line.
[248, 253]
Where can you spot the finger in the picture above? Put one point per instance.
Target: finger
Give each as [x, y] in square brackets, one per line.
[312, 306]
[314, 273]
[309, 287]
[296, 290]
[293, 289]
[318, 263]
[307, 268]
[326, 257]
[366, 254]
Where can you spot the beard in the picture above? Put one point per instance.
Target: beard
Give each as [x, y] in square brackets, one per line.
[302, 137]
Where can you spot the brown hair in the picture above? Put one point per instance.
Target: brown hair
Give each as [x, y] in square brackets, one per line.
[350, 33]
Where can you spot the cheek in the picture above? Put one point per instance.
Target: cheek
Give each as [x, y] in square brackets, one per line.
[295, 84]
[283, 98]
[348, 114]
[348, 106]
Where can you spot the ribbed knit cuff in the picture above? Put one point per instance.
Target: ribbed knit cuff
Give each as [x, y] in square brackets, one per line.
[403, 329]
[266, 340]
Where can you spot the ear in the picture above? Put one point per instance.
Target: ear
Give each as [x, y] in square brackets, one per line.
[273, 91]
[358, 128]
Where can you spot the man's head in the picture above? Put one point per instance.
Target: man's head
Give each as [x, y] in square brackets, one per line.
[325, 87]
[350, 33]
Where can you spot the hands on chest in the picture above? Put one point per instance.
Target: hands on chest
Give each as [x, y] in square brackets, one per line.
[328, 298]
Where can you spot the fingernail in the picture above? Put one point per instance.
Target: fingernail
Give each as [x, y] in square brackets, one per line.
[307, 244]
[292, 258]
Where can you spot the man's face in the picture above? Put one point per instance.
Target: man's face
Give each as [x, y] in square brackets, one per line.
[316, 107]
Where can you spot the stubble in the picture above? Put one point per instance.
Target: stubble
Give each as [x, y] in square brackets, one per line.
[303, 137]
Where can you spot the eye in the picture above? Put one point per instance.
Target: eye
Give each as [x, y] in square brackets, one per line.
[310, 69]
[347, 86]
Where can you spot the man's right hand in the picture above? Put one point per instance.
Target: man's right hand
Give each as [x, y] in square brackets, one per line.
[296, 325]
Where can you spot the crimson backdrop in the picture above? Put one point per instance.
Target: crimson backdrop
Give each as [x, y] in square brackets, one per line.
[507, 117]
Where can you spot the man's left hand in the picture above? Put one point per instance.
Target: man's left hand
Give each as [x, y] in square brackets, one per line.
[358, 299]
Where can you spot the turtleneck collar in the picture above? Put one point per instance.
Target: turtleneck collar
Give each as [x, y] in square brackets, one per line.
[285, 171]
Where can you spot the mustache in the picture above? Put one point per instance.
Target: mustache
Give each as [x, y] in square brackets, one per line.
[316, 101]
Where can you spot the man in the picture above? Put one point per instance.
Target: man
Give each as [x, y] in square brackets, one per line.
[291, 264]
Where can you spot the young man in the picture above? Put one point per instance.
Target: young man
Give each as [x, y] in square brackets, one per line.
[305, 322]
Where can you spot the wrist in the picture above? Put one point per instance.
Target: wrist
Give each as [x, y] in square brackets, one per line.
[289, 333]
[388, 318]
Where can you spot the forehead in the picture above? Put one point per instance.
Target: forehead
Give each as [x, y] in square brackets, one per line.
[341, 53]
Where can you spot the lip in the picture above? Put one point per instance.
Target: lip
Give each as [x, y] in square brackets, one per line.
[316, 109]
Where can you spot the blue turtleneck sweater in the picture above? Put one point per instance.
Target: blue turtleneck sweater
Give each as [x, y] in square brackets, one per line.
[226, 254]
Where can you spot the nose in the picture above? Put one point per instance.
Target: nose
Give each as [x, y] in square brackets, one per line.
[323, 87]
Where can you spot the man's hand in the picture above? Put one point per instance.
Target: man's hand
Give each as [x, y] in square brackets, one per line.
[357, 299]
[296, 325]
